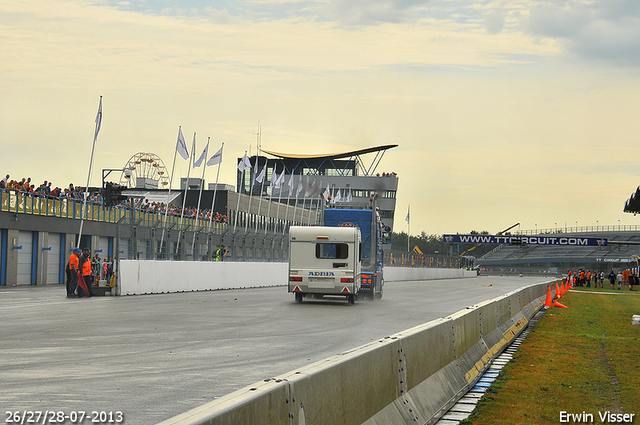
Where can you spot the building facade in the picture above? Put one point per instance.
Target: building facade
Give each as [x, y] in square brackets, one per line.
[314, 181]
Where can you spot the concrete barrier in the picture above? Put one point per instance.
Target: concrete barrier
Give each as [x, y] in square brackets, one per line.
[155, 277]
[411, 377]
[395, 274]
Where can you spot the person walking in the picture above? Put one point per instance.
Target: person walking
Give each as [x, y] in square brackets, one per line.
[72, 272]
[619, 280]
[85, 276]
[220, 253]
[612, 279]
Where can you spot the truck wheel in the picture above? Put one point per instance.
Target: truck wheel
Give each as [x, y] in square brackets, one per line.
[378, 295]
[351, 299]
[298, 296]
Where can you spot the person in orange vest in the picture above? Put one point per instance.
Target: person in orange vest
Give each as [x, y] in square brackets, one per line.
[85, 277]
[581, 281]
[589, 279]
[72, 272]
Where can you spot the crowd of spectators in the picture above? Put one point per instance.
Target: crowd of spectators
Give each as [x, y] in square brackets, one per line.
[176, 210]
[46, 189]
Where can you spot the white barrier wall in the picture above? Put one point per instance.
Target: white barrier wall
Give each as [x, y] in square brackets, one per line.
[156, 277]
[398, 274]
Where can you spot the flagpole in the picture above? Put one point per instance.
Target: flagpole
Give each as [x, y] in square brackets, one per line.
[251, 189]
[86, 193]
[295, 204]
[235, 225]
[186, 190]
[286, 213]
[310, 208]
[274, 175]
[215, 189]
[204, 168]
[166, 205]
[408, 227]
[279, 198]
[260, 198]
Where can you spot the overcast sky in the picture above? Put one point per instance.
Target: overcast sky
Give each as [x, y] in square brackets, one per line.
[504, 111]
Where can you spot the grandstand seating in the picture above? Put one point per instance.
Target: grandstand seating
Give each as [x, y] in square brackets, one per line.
[621, 247]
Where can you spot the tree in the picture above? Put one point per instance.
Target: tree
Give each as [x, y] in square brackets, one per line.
[432, 244]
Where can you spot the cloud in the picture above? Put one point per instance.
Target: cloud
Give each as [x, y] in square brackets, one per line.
[608, 31]
[494, 21]
[371, 12]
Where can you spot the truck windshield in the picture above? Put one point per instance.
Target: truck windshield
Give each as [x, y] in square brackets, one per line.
[332, 250]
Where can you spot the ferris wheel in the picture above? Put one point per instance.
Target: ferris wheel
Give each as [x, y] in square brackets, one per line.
[146, 171]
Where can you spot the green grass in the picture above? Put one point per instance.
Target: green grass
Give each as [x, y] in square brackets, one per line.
[582, 359]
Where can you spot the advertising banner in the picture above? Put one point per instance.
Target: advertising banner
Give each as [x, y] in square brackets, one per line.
[526, 240]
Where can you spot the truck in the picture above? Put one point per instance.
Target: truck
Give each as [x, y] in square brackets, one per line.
[342, 258]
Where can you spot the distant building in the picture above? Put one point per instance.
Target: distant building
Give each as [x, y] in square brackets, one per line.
[308, 178]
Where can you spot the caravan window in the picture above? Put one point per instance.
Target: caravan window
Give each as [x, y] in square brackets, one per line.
[332, 250]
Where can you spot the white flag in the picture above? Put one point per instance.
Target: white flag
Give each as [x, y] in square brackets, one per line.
[244, 163]
[407, 218]
[260, 177]
[327, 193]
[308, 189]
[299, 189]
[99, 118]
[216, 158]
[181, 146]
[349, 198]
[202, 157]
[291, 185]
[338, 196]
[280, 179]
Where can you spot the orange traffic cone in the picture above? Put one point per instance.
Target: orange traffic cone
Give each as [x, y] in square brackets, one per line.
[548, 302]
[563, 288]
[558, 294]
[557, 304]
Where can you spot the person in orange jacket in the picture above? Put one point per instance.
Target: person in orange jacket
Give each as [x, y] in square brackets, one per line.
[72, 272]
[85, 276]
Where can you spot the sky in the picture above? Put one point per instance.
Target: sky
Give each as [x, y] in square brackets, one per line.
[504, 112]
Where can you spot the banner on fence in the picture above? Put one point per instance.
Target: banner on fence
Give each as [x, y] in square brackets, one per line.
[525, 240]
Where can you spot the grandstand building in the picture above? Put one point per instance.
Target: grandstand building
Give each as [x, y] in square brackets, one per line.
[620, 253]
[308, 179]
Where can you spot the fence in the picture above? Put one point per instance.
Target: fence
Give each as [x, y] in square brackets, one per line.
[148, 235]
[411, 259]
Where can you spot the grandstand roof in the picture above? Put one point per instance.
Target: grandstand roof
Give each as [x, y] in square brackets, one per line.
[347, 154]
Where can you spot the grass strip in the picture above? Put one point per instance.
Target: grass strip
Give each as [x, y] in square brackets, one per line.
[583, 360]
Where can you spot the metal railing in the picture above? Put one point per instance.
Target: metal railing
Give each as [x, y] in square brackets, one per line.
[581, 229]
[411, 259]
[51, 206]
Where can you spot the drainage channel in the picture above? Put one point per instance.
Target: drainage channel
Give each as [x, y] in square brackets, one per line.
[463, 408]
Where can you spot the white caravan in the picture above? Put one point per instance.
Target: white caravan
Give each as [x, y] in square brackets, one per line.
[324, 261]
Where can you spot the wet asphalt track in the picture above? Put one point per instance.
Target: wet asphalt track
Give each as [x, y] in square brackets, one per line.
[155, 356]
